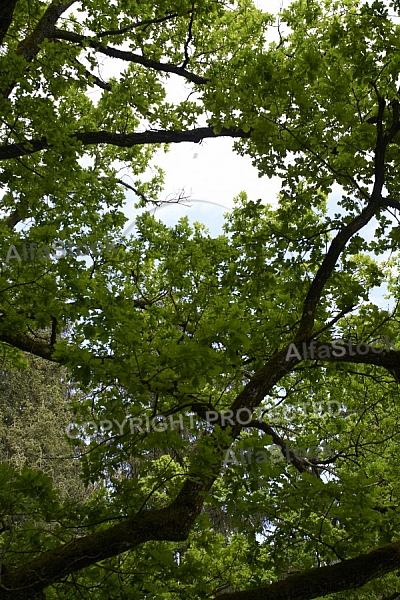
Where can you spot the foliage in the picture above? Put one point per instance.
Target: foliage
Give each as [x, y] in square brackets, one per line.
[173, 328]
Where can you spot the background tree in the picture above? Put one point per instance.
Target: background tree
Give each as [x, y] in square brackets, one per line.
[35, 414]
[174, 323]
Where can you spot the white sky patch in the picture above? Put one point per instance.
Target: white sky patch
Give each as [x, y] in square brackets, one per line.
[211, 174]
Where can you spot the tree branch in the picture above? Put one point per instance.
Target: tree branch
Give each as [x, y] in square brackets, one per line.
[328, 264]
[81, 40]
[388, 359]
[23, 342]
[29, 47]
[123, 140]
[189, 39]
[99, 82]
[301, 464]
[12, 220]
[6, 15]
[144, 23]
[172, 523]
[314, 583]
[392, 203]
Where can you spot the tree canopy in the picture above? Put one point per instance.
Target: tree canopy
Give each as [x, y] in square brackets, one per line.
[233, 400]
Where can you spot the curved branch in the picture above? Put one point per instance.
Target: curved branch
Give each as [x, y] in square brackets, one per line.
[300, 464]
[328, 264]
[81, 40]
[338, 244]
[173, 523]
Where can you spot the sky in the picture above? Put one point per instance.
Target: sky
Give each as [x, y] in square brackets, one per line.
[212, 175]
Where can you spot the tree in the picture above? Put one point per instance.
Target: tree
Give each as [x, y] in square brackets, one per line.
[268, 375]
[35, 411]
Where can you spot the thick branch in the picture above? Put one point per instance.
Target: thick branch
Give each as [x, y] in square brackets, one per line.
[172, 523]
[12, 220]
[43, 349]
[261, 384]
[27, 344]
[6, 15]
[123, 140]
[70, 36]
[314, 583]
[29, 47]
[392, 203]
